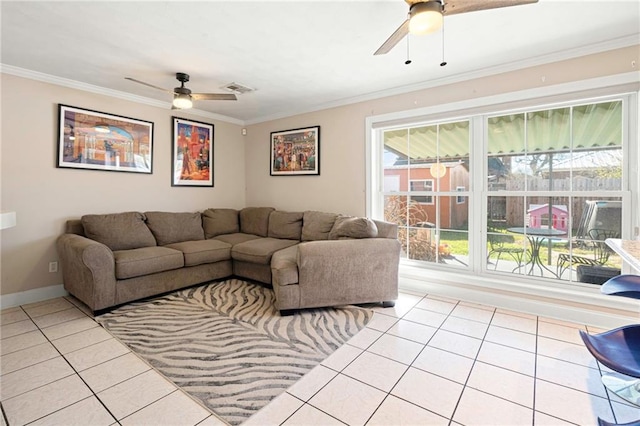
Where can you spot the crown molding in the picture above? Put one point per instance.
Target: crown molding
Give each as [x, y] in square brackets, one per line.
[73, 84]
[485, 72]
[498, 69]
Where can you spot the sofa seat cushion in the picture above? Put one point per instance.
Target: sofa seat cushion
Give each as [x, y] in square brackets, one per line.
[203, 251]
[284, 266]
[259, 250]
[118, 231]
[169, 227]
[236, 238]
[145, 261]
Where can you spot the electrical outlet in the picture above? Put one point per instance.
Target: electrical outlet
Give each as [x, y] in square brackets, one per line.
[53, 266]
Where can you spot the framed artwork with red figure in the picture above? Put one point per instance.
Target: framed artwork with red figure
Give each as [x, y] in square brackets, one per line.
[192, 154]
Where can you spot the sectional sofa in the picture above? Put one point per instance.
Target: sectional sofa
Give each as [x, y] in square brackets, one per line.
[312, 259]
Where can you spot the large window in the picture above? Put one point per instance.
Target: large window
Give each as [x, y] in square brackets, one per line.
[550, 182]
[426, 169]
[550, 166]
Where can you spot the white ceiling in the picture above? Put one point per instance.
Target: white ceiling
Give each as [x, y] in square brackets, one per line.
[299, 55]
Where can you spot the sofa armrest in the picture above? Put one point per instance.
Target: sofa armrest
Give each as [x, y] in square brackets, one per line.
[348, 271]
[88, 270]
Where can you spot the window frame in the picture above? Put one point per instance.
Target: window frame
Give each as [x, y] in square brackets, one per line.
[477, 111]
[428, 198]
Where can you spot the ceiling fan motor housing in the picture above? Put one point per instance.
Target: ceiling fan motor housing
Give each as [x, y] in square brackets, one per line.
[182, 77]
[182, 91]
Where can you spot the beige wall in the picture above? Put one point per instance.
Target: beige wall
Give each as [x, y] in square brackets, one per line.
[44, 196]
[341, 184]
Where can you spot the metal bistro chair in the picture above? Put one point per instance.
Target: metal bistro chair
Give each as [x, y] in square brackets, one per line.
[619, 349]
[601, 251]
[498, 244]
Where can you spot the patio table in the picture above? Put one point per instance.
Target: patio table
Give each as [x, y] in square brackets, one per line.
[536, 237]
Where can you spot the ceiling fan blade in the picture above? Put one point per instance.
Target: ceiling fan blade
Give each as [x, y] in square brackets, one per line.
[394, 39]
[453, 7]
[149, 85]
[214, 96]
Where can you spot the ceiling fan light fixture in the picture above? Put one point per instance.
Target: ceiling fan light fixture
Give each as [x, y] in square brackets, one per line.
[425, 17]
[182, 101]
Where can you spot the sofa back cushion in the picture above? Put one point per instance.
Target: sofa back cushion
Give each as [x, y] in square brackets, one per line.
[169, 228]
[74, 226]
[219, 222]
[317, 225]
[286, 225]
[255, 220]
[118, 231]
[353, 227]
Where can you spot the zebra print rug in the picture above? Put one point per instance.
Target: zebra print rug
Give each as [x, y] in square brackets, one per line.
[226, 345]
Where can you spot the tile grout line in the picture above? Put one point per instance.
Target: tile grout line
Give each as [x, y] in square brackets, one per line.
[408, 367]
[77, 374]
[415, 306]
[464, 386]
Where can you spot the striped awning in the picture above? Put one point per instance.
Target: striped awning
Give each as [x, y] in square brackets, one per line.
[584, 127]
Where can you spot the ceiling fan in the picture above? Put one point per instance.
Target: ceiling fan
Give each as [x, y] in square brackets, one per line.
[425, 16]
[183, 98]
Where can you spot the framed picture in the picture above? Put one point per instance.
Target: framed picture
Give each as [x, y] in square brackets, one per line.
[192, 155]
[99, 141]
[295, 152]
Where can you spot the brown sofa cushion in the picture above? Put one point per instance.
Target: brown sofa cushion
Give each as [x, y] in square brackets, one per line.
[287, 225]
[145, 261]
[284, 266]
[220, 221]
[118, 231]
[169, 228]
[203, 251]
[317, 225]
[255, 220]
[259, 250]
[236, 238]
[353, 227]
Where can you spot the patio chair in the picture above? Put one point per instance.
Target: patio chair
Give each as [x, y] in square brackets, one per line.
[601, 251]
[498, 244]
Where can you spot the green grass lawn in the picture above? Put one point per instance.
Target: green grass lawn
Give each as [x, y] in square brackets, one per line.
[458, 242]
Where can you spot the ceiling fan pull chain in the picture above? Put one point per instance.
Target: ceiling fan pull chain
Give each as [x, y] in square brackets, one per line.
[443, 63]
[408, 61]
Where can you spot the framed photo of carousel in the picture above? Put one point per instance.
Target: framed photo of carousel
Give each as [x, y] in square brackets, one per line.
[295, 152]
[95, 140]
[192, 154]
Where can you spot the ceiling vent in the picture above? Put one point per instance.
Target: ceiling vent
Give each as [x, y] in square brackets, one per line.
[237, 88]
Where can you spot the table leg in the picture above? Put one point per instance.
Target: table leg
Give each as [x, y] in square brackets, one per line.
[535, 244]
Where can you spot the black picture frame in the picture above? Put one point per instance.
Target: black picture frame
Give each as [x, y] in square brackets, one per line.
[94, 140]
[192, 153]
[295, 152]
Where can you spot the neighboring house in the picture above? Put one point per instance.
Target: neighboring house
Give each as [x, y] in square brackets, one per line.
[453, 210]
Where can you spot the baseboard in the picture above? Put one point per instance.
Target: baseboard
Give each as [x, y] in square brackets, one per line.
[32, 296]
[558, 308]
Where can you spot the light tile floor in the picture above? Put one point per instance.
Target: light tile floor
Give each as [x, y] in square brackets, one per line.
[429, 360]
